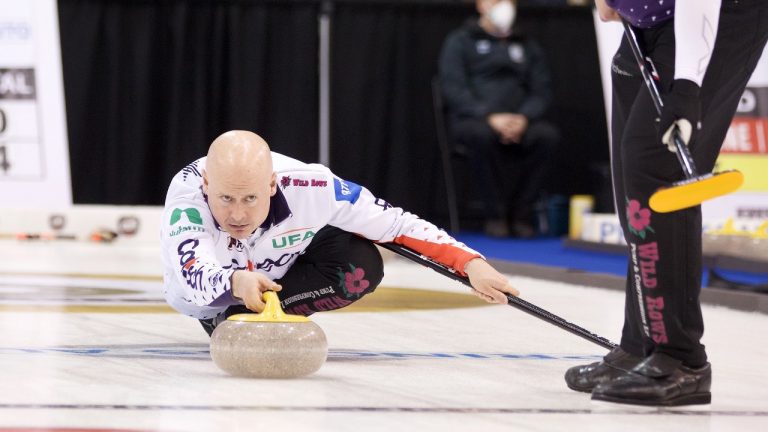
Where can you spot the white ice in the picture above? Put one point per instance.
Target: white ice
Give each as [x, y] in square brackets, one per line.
[478, 368]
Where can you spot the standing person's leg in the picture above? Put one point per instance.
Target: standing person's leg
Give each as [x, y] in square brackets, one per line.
[669, 257]
[336, 269]
[626, 83]
[628, 93]
[662, 274]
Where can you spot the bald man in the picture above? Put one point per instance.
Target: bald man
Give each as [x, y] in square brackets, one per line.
[244, 220]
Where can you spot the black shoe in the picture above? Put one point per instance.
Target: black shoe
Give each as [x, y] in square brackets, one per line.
[659, 380]
[616, 363]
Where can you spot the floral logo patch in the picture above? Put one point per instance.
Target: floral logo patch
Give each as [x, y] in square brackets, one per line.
[639, 219]
[353, 283]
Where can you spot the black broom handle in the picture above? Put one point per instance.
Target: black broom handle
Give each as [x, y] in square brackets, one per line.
[683, 153]
[515, 302]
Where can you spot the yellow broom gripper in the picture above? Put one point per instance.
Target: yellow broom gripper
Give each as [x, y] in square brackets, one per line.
[692, 192]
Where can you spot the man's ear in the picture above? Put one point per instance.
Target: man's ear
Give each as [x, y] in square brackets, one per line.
[205, 182]
[273, 185]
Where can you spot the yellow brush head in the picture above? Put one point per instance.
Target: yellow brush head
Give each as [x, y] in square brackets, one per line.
[692, 192]
[272, 312]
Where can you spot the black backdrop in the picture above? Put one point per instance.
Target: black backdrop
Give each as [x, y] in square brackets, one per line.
[149, 84]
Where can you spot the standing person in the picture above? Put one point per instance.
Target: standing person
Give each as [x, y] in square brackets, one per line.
[496, 85]
[243, 220]
[704, 52]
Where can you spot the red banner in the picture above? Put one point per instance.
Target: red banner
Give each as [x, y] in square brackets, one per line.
[747, 135]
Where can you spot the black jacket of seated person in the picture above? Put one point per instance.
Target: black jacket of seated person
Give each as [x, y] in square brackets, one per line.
[480, 75]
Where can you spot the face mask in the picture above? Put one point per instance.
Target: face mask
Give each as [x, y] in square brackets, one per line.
[502, 16]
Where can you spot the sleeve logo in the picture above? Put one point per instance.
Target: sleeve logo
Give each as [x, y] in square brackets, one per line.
[346, 190]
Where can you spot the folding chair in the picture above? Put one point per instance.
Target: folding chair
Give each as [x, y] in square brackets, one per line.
[446, 153]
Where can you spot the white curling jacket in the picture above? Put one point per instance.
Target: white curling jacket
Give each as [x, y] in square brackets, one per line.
[199, 257]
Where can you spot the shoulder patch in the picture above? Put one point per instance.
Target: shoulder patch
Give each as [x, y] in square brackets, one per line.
[346, 190]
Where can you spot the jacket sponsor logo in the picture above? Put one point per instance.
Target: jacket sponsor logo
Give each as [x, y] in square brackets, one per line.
[383, 204]
[516, 52]
[235, 244]
[286, 181]
[483, 46]
[285, 259]
[193, 216]
[187, 260]
[287, 239]
[186, 228]
[194, 273]
[346, 190]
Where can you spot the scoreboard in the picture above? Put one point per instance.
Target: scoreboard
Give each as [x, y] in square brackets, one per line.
[34, 159]
[20, 155]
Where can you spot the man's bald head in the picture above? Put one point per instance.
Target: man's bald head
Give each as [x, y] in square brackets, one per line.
[241, 151]
[239, 181]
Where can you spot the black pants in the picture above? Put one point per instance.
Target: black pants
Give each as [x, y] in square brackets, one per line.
[508, 178]
[662, 309]
[337, 269]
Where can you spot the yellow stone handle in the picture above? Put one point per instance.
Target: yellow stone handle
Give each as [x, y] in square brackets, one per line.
[272, 312]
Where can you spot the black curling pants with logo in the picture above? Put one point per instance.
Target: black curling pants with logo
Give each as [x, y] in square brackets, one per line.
[337, 269]
[662, 309]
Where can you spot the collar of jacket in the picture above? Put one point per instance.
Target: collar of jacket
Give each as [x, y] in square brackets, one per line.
[278, 210]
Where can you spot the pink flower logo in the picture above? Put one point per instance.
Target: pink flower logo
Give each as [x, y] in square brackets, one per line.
[354, 281]
[639, 218]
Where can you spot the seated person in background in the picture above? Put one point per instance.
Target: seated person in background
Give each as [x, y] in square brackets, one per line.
[243, 220]
[496, 87]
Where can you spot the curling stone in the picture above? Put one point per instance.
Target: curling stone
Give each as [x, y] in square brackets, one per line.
[271, 344]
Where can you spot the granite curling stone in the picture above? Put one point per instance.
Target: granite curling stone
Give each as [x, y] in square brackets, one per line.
[271, 344]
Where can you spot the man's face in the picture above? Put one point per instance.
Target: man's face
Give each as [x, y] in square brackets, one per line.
[239, 201]
[497, 16]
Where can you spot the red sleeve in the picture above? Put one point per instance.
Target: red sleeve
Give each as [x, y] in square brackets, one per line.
[443, 253]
